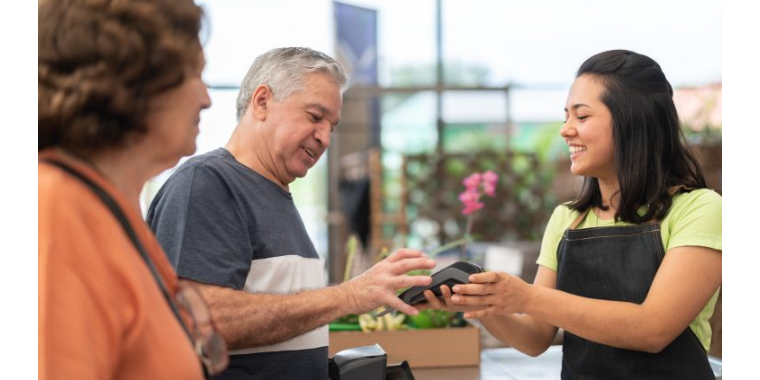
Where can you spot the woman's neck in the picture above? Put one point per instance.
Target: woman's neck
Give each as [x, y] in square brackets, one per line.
[610, 197]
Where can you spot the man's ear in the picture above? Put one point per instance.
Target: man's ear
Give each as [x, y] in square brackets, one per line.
[262, 95]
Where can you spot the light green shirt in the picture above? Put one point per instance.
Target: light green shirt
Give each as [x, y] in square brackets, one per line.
[694, 219]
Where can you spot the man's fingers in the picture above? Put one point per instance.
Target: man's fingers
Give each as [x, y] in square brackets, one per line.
[407, 265]
[404, 253]
[409, 281]
[423, 306]
[399, 305]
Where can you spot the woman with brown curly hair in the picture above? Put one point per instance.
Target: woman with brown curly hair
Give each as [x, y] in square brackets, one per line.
[120, 94]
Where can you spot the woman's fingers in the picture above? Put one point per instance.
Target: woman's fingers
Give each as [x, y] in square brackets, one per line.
[434, 302]
[479, 313]
[446, 293]
[484, 278]
[471, 289]
[459, 299]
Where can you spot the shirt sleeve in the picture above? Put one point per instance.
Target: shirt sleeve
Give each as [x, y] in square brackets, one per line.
[198, 223]
[698, 222]
[552, 236]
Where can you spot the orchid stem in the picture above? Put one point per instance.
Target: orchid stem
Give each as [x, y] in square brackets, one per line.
[466, 237]
[445, 247]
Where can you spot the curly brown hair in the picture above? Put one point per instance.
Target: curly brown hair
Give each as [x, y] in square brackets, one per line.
[100, 63]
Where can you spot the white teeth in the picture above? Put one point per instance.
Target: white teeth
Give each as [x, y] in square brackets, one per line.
[309, 152]
[576, 149]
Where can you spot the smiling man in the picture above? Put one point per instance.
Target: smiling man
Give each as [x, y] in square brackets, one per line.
[228, 223]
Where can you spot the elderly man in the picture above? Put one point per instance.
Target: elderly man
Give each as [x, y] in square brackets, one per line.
[228, 222]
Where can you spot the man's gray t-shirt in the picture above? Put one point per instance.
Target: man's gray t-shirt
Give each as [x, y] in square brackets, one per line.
[222, 223]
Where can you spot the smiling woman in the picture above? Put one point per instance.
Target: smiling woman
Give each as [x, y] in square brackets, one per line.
[635, 113]
[631, 269]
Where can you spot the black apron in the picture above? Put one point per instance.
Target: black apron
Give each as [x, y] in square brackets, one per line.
[619, 263]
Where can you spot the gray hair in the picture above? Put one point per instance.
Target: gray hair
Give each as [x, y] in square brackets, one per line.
[283, 71]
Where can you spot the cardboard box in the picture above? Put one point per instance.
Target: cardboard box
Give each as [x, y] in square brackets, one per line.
[447, 347]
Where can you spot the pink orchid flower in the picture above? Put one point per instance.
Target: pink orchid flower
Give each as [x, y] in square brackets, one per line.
[472, 181]
[471, 195]
[490, 179]
[471, 200]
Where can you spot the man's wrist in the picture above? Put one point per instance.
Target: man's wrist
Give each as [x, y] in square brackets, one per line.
[346, 294]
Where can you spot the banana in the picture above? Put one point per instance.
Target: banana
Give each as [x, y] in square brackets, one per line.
[388, 322]
[398, 320]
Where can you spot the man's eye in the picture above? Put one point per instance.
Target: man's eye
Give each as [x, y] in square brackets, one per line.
[315, 118]
[582, 117]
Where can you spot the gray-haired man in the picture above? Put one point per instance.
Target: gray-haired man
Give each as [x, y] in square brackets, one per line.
[228, 222]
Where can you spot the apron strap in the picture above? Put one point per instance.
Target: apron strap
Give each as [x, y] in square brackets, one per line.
[673, 190]
[579, 219]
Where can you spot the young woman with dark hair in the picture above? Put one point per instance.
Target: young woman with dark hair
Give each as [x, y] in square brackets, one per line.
[631, 269]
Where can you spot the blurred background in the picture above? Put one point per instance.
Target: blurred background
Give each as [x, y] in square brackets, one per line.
[444, 88]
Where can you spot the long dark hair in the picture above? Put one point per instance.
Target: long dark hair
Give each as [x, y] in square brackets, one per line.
[651, 154]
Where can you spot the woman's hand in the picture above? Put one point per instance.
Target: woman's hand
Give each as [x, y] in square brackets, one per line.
[491, 293]
[434, 302]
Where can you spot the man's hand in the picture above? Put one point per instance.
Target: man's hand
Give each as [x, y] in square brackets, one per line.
[377, 286]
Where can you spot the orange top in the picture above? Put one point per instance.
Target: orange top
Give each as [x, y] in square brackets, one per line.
[101, 314]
